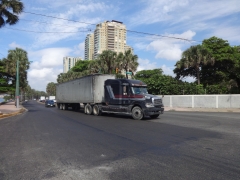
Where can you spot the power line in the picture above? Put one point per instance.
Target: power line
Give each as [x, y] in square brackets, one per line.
[42, 32]
[52, 23]
[60, 18]
[131, 31]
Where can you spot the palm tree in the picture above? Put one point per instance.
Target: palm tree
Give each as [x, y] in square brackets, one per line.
[97, 66]
[128, 62]
[10, 17]
[20, 55]
[109, 57]
[195, 57]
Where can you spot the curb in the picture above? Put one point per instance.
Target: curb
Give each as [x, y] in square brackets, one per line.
[22, 110]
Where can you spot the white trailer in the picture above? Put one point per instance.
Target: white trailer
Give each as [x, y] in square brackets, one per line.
[42, 98]
[85, 90]
[51, 97]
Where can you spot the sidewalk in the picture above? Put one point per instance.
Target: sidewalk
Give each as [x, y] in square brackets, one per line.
[9, 109]
[237, 110]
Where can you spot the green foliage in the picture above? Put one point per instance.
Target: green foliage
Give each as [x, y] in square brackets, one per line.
[10, 64]
[5, 80]
[193, 59]
[51, 89]
[9, 9]
[106, 63]
[159, 83]
[81, 66]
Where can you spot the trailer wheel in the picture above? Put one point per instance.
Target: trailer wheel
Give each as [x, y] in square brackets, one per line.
[88, 109]
[64, 107]
[96, 110]
[137, 113]
[61, 106]
[84, 109]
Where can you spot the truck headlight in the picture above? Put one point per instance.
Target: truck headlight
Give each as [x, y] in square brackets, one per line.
[149, 105]
[147, 97]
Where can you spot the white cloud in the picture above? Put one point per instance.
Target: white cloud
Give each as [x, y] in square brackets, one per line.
[84, 16]
[184, 11]
[39, 78]
[79, 50]
[228, 33]
[170, 49]
[168, 70]
[46, 65]
[145, 64]
[14, 45]
[157, 11]
[50, 57]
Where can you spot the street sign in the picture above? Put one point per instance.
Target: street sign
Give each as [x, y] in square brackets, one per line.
[129, 73]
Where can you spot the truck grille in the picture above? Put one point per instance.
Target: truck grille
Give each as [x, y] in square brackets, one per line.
[157, 102]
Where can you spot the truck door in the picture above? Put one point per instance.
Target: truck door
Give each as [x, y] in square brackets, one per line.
[126, 94]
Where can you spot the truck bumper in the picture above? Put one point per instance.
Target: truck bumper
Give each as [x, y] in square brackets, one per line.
[153, 111]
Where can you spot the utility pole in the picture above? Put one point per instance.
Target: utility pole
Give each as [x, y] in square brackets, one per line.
[17, 85]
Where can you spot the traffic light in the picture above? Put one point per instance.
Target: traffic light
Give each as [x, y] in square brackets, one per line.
[116, 70]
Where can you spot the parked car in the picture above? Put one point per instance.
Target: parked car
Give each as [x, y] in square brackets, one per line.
[49, 103]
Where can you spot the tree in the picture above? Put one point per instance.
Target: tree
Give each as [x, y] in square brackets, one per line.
[193, 59]
[81, 66]
[51, 89]
[5, 80]
[227, 60]
[128, 62]
[108, 58]
[7, 16]
[20, 55]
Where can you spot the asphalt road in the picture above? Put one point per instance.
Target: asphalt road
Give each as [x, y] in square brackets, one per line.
[47, 143]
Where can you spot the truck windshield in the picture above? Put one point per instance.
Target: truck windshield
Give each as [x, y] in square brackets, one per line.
[139, 90]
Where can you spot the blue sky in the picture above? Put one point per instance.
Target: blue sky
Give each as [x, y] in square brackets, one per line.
[194, 20]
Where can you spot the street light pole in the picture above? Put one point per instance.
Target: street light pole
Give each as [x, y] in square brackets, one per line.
[17, 85]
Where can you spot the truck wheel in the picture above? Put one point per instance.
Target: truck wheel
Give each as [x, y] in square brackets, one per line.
[64, 107]
[61, 106]
[154, 116]
[88, 109]
[137, 113]
[96, 110]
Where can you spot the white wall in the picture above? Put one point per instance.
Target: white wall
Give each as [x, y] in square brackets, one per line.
[203, 101]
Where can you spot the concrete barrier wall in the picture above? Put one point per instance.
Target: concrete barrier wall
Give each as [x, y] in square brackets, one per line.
[202, 101]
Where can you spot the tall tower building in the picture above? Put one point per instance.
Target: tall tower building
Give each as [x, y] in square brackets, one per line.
[127, 47]
[89, 47]
[109, 36]
[69, 62]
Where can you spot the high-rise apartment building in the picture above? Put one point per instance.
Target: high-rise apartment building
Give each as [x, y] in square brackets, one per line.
[109, 36]
[127, 47]
[89, 47]
[69, 62]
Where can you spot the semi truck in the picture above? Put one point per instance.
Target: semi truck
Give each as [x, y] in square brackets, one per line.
[103, 93]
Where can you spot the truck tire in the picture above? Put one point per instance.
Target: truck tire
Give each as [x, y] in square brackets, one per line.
[137, 113]
[64, 107]
[88, 109]
[154, 116]
[96, 110]
[61, 106]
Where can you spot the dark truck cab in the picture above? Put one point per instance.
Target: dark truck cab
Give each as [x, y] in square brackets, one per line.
[130, 97]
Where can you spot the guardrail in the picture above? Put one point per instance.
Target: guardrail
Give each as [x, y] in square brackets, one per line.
[202, 101]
